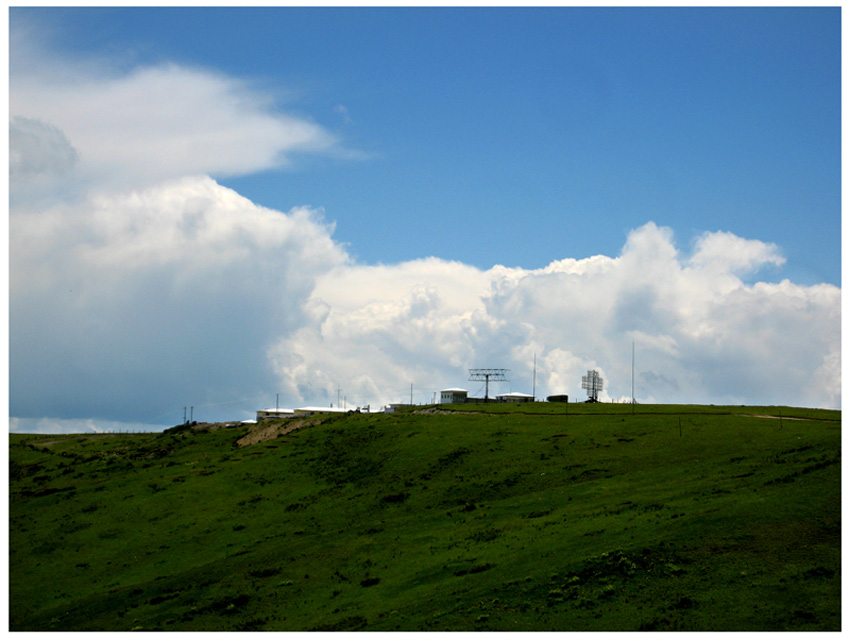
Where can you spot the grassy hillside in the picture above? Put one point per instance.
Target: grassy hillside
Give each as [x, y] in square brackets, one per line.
[520, 518]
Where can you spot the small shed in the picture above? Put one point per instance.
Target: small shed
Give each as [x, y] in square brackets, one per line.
[453, 395]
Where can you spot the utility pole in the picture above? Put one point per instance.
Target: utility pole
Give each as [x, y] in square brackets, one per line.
[534, 380]
[633, 377]
[411, 394]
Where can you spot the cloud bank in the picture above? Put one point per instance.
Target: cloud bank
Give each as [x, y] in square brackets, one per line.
[701, 334]
[121, 304]
[139, 285]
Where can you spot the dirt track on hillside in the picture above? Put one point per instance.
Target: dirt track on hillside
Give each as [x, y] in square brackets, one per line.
[440, 411]
[261, 432]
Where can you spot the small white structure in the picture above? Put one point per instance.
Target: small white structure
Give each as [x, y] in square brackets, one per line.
[275, 413]
[315, 410]
[453, 395]
[392, 407]
[515, 397]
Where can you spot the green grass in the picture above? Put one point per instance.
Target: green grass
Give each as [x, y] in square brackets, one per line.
[511, 518]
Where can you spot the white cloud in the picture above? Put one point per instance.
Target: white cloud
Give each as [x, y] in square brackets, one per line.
[123, 304]
[139, 285]
[701, 334]
[187, 293]
[153, 123]
[725, 252]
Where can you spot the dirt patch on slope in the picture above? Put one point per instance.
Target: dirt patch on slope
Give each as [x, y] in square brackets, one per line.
[262, 432]
[210, 426]
[441, 411]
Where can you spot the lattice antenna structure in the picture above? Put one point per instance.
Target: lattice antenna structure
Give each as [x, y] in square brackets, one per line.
[486, 375]
[592, 382]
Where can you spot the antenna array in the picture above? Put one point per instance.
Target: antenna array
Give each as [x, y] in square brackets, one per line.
[486, 375]
[592, 382]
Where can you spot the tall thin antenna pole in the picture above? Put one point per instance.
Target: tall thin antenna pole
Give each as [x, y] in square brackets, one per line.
[411, 394]
[277, 402]
[534, 380]
[633, 377]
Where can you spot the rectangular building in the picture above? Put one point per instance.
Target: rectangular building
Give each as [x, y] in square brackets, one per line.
[453, 395]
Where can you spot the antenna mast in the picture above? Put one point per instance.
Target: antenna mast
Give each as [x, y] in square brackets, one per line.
[633, 377]
[592, 382]
[534, 380]
[485, 374]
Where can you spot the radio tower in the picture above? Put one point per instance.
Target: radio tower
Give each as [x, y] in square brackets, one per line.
[592, 382]
[485, 375]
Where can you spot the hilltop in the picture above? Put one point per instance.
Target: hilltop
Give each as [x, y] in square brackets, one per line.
[505, 517]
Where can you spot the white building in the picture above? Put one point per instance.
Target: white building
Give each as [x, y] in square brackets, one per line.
[453, 395]
[315, 410]
[515, 397]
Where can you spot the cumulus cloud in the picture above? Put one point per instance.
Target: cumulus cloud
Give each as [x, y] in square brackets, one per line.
[133, 128]
[701, 333]
[123, 304]
[139, 285]
[187, 293]
[724, 252]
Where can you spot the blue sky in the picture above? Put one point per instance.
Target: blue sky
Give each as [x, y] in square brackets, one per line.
[213, 206]
[514, 136]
